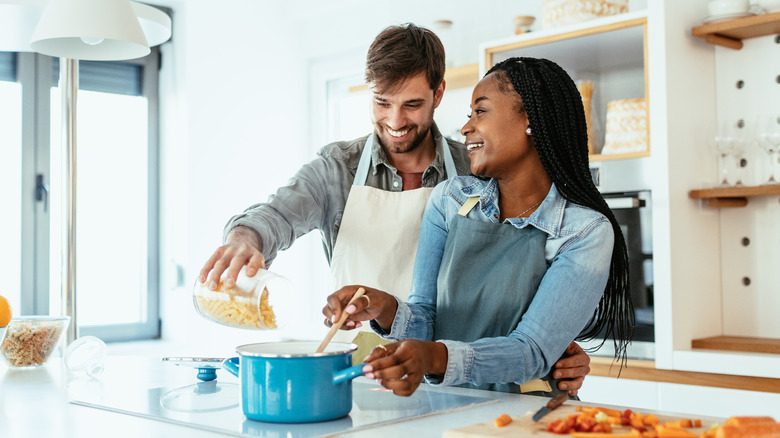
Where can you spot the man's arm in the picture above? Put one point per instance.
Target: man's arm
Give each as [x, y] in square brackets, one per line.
[311, 200]
[573, 366]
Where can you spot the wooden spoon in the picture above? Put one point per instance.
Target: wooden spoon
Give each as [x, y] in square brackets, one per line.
[335, 327]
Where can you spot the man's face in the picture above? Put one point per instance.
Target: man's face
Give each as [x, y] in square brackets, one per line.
[402, 116]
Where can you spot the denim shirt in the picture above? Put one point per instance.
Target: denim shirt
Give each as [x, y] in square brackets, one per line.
[578, 251]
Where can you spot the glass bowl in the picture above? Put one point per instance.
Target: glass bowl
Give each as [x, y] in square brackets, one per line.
[30, 340]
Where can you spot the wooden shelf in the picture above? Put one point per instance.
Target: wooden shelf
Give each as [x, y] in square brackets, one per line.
[739, 343]
[456, 77]
[729, 197]
[731, 33]
[646, 371]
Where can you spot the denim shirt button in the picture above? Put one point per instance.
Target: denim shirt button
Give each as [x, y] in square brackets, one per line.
[395, 183]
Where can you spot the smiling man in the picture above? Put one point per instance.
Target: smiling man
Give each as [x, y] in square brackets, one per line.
[366, 196]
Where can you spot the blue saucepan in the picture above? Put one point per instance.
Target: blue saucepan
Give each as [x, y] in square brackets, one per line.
[287, 382]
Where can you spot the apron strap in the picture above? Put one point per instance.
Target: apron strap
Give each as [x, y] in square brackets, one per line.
[468, 205]
[365, 160]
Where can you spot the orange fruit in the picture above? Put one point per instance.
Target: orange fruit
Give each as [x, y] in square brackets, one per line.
[5, 312]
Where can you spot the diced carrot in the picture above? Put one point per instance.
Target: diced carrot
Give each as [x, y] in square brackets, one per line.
[686, 422]
[739, 421]
[579, 408]
[650, 420]
[632, 434]
[502, 420]
[757, 430]
[696, 422]
[673, 424]
[670, 432]
[610, 412]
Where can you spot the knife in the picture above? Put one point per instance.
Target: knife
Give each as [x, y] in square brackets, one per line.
[552, 404]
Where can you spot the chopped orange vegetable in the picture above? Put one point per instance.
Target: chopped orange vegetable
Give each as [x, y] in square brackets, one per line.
[610, 412]
[740, 421]
[670, 432]
[502, 420]
[762, 430]
[632, 434]
[650, 420]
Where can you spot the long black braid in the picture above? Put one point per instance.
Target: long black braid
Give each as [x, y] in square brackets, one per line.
[557, 119]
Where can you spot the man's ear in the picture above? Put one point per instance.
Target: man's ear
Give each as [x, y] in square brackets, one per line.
[439, 93]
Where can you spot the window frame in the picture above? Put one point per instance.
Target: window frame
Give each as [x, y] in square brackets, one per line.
[35, 73]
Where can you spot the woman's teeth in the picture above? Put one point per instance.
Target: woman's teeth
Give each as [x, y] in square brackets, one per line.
[473, 146]
[397, 133]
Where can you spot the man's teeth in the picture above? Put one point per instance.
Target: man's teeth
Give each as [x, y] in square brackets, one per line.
[474, 146]
[397, 133]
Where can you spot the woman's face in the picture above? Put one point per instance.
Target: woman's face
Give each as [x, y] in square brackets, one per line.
[495, 132]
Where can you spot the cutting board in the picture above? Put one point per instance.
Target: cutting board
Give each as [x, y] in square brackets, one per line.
[523, 425]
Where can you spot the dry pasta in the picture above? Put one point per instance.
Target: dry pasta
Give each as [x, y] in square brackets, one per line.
[237, 308]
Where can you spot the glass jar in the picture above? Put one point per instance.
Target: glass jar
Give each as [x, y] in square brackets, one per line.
[262, 302]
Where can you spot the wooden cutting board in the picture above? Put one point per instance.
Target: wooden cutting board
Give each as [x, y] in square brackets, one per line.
[523, 425]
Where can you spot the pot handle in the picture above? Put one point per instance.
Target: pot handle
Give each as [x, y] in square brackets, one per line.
[231, 364]
[348, 373]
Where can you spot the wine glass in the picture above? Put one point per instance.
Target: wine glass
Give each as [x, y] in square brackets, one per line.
[768, 138]
[724, 143]
[740, 141]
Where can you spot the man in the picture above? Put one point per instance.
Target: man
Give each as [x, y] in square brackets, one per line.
[367, 196]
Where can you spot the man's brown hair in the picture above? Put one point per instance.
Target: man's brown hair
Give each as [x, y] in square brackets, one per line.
[402, 52]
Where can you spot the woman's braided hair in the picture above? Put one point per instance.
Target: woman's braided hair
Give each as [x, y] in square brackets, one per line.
[557, 119]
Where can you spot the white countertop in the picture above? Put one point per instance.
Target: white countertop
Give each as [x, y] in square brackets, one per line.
[38, 403]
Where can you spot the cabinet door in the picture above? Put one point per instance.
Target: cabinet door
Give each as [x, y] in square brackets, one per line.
[612, 59]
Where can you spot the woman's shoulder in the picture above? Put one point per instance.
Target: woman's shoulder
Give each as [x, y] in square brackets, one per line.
[579, 218]
[467, 186]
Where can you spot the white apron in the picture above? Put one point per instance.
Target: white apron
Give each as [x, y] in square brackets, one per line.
[377, 240]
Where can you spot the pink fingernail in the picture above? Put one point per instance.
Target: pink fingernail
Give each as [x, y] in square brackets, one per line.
[350, 309]
[368, 368]
[333, 319]
[369, 375]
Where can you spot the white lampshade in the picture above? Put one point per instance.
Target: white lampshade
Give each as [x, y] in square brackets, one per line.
[17, 22]
[98, 30]
[155, 23]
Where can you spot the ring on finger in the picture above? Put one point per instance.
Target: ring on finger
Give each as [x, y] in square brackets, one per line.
[368, 301]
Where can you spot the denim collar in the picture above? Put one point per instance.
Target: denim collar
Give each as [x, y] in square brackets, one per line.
[548, 217]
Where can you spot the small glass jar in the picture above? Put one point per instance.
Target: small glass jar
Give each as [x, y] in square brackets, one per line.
[262, 302]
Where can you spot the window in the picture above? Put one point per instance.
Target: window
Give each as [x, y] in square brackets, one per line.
[116, 192]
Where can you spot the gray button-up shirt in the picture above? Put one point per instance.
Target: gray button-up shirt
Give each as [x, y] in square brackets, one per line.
[315, 197]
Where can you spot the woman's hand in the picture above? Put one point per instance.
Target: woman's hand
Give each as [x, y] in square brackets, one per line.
[401, 366]
[242, 248]
[374, 304]
[573, 366]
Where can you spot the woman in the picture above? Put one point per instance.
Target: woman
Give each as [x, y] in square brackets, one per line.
[513, 263]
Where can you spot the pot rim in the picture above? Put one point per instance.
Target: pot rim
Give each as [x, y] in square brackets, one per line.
[349, 348]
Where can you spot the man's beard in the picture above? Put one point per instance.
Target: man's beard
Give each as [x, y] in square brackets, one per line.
[405, 147]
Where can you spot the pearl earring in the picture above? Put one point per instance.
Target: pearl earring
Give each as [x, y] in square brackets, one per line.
[528, 130]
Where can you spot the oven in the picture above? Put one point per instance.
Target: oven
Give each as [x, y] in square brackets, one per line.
[625, 186]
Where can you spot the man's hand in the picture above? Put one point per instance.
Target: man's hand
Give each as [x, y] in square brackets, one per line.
[573, 366]
[242, 248]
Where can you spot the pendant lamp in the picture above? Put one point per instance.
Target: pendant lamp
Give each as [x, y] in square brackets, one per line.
[97, 30]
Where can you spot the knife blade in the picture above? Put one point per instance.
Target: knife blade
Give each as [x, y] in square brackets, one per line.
[552, 404]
